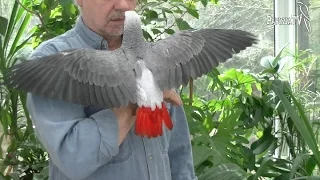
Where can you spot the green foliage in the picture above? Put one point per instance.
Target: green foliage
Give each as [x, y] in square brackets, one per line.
[3, 25]
[55, 16]
[28, 159]
[238, 126]
[15, 121]
[163, 18]
[159, 18]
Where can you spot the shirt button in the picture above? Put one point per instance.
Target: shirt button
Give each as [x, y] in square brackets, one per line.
[150, 157]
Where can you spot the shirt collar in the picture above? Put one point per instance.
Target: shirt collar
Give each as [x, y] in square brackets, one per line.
[89, 36]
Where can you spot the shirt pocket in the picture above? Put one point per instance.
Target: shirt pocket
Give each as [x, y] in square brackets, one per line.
[125, 151]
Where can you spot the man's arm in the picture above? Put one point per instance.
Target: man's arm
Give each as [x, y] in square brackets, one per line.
[180, 151]
[77, 145]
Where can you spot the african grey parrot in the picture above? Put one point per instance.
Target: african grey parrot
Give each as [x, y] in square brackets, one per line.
[137, 72]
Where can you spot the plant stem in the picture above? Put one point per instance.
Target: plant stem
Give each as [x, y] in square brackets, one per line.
[191, 92]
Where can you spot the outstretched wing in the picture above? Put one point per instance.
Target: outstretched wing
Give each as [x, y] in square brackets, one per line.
[81, 76]
[186, 55]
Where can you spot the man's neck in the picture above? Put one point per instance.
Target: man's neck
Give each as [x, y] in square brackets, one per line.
[113, 42]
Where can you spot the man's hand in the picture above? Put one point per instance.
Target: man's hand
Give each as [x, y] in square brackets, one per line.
[172, 97]
[126, 118]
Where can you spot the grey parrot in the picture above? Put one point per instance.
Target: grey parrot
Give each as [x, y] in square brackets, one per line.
[135, 73]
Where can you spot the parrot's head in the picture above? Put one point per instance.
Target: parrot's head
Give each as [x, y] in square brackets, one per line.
[132, 19]
[132, 36]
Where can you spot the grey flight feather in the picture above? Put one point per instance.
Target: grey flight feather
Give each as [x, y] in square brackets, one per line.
[192, 54]
[108, 78]
[82, 76]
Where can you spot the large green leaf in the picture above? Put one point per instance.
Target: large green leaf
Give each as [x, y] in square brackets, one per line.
[310, 165]
[202, 153]
[11, 25]
[297, 163]
[264, 142]
[238, 76]
[307, 178]
[239, 80]
[3, 25]
[182, 24]
[20, 32]
[226, 171]
[193, 12]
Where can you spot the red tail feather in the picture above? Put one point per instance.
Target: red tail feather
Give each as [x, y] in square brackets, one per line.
[149, 123]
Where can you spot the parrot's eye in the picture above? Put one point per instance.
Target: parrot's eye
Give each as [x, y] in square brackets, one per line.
[135, 73]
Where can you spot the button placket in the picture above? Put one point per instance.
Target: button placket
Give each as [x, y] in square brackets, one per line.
[104, 44]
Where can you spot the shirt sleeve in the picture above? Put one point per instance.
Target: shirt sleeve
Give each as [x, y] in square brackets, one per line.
[180, 150]
[77, 145]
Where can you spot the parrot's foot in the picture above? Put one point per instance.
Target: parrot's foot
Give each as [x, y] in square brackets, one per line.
[149, 123]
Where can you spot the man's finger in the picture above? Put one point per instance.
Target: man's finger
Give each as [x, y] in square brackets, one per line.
[134, 108]
[172, 97]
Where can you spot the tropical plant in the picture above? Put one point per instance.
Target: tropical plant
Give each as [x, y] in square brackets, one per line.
[17, 126]
[251, 120]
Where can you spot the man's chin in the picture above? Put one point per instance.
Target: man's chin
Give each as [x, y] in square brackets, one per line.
[114, 33]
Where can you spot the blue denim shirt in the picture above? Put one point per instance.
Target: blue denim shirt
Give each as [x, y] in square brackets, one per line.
[82, 142]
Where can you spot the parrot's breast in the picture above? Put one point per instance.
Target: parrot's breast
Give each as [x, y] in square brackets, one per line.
[152, 113]
[148, 91]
